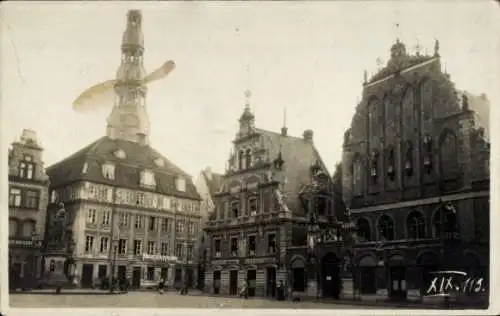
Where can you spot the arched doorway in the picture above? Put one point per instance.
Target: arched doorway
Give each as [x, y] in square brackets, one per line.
[330, 272]
[428, 263]
[397, 278]
[299, 275]
[367, 275]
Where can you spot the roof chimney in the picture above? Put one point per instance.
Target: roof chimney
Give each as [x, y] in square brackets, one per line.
[284, 131]
[141, 138]
[308, 135]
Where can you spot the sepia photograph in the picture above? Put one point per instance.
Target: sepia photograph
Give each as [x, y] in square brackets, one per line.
[205, 155]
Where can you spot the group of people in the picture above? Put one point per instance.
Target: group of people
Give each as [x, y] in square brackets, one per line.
[161, 287]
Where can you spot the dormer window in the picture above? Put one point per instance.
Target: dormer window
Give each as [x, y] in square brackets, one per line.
[148, 179]
[120, 153]
[108, 171]
[180, 184]
[159, 162]
[85, 168]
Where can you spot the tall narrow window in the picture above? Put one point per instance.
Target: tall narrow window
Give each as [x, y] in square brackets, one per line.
[358, 176]
[89, 244]
[235, 209]
[374, 166]
[217, 248]
[152, 223]
[15, 197]
[391, 163]
[252, 245]
[386, 227]
[104, 245]
[164, 249]
[122, 246]
[252, 205]
[409, 158]
[241, 157]
[137, 247]
[26, 168]
[234, 246]
[427, 146]
[248, 158]
[151, 247]
[415, 225]
[271, 243]
[363, 229]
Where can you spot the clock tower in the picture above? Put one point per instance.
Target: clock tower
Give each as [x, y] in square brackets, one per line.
[128, 119]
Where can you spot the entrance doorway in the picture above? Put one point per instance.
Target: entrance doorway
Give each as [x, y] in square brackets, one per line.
[428, 263]
[366, 280]
[397, 278]
[122, 273]
[87, 275]
[164, 274]
[189, 277]
[136, 278]
[251, 277]
[233, 282]
[217, 282]
[271, 282]
[330, 272]
[201, 278]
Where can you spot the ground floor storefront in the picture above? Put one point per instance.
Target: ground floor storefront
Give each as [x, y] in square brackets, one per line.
[25, 264]
[145, 273]
[227, 277]
[400, 271]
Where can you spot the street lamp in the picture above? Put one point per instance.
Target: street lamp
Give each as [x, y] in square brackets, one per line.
[113, 266]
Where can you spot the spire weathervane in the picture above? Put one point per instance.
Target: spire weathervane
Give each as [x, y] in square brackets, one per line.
[248, 95]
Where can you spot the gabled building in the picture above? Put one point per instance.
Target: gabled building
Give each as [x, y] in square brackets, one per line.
[131, 212]
[415, 172]
[208, 183]
[260, 212]
[28, 200]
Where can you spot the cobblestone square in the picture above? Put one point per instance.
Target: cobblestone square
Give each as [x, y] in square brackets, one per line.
[155, 300]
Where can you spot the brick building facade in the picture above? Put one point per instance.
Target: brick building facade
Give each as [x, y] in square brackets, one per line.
[415, 171]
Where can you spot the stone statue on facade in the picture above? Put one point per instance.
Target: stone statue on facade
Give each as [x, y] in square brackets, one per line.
[58, 225]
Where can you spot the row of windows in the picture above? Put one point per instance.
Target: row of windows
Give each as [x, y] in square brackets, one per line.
[415, 226]
[121, 248]
[26, 169]
[147, 178]
[236, 211]
[153, 223]
[247, 247]
[447, 157]
[25, 198]
[21, 228]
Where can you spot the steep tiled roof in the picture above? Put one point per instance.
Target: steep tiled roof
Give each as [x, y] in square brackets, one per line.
[213, 183]
[127, 171]
[298, 155]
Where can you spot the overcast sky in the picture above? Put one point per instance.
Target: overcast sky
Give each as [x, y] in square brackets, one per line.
[306, 57]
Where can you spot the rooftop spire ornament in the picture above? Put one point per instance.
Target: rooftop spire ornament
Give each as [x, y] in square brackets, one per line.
[436, 48]
[417, 48]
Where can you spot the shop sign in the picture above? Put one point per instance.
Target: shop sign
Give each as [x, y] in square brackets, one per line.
[25, 243]
[160, 258]
[260, 260]
[225, 262]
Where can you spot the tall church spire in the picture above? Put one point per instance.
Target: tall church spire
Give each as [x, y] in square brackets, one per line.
[128, 119]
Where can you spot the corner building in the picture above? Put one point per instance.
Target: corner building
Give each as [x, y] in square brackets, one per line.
[132, 213]
[28, 200]
[415, 171]
[259, 215]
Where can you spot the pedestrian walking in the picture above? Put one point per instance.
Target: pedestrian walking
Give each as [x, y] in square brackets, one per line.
[161, 285]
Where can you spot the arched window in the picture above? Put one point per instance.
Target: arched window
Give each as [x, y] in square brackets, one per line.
[241, 157]
[248, 158]
[389, 118]
[445, 220]
[415, 225]
[357, 175]
[364, 230]
[448, 153]
[321, 205]
[386, 227]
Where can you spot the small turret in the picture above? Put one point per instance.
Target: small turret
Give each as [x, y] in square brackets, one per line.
[133, 37]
